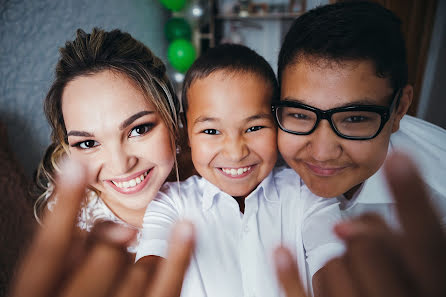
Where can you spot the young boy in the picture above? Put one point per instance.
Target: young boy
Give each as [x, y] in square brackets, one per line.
[240, 206]
[344, 95]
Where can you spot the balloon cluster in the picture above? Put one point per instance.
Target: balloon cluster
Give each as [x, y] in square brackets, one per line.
[181, 52]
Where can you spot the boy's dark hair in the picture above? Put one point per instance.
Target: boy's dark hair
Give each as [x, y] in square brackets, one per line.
[232, 58]
[358, 30]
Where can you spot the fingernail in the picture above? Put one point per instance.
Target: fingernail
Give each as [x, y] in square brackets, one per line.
[184, 231]
[347, 229]
[120, 234]
[282, 259]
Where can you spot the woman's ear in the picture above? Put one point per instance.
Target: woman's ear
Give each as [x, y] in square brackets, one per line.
[403, 106]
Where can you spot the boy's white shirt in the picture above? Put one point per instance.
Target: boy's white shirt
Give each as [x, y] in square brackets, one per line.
[425, 143]
[233, 255]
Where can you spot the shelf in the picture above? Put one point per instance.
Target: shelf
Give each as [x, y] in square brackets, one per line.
[266, 16]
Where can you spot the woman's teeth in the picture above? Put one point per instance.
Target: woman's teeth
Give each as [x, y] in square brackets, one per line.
[130, 183]
[236, 172]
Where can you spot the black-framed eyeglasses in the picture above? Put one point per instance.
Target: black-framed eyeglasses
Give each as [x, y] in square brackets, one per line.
[355, 122]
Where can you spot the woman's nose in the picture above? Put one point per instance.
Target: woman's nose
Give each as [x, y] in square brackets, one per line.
[121, 161]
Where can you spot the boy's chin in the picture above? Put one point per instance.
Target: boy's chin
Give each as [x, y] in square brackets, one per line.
[326, 191]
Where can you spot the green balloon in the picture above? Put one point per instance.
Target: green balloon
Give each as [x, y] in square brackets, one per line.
[181, 54]
[177, 28]
[175, 5]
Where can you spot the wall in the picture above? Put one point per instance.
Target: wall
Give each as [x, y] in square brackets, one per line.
[432, 106]
[31, 31]
[264, 36]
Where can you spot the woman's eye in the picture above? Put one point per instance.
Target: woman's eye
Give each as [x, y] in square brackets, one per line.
[140, 130]
[87, 144]
[211, 131]
[255, 128]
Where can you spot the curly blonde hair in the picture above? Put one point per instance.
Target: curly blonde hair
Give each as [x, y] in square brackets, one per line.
[92, 53]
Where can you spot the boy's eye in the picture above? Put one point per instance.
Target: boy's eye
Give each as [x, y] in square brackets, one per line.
[87, 144]
[255, 128]
[211, 131]
[356, 119]
[140, 130]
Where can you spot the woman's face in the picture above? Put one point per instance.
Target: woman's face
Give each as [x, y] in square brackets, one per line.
[121, 139]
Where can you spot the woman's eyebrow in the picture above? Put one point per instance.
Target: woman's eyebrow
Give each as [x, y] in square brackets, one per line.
[133, 118]
[79, 133]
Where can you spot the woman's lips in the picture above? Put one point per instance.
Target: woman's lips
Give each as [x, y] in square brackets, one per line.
[130, 185]
[324, 171]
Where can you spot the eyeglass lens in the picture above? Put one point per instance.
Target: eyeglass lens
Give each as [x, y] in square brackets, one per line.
[348, 123]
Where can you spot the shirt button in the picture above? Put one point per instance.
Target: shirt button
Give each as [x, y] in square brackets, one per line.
[246, 229]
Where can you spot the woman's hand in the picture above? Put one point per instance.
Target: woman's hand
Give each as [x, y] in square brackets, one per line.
[379, 261]
[62, 261]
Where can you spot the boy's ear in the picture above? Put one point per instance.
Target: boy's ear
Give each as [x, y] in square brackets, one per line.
[403, 106]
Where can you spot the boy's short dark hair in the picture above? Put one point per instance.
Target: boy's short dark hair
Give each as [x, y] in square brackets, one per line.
[232, 58]
[349, 31]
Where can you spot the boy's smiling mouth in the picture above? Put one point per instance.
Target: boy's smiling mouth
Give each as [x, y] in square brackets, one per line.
[324, 171]
[236, 172]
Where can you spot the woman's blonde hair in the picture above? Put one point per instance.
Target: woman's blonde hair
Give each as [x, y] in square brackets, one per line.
[89, 54]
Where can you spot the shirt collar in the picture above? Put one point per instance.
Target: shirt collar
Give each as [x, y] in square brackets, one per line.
[209, 193]
[375, 189]
[267, 187]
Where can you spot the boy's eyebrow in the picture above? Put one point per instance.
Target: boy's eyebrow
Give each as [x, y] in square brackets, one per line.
[362, 101]
[258, 116]
[202, 119]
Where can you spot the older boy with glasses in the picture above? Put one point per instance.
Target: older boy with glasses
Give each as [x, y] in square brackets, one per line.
[344, 95]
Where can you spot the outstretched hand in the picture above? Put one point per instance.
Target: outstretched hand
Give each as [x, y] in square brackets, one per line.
[62, 261]
[379, 261]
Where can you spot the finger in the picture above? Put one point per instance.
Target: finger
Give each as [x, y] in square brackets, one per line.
[373, 258]
[288, 273]
[137, 281]
[425, 241]
[43, 264]
[169, 281]
[105, 264]
[337, 281]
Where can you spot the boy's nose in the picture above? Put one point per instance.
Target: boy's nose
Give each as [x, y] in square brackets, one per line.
[235, 149]
[324, 144]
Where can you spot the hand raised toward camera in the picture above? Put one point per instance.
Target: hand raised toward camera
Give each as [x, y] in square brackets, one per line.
[62, 261]
[379, 261]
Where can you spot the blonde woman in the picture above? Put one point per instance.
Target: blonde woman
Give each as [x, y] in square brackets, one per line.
[113, 109]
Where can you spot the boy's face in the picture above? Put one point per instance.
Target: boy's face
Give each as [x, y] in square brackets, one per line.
[232, 134]
[329, 164]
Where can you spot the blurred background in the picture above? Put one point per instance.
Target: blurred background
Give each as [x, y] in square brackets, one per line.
[31, 31]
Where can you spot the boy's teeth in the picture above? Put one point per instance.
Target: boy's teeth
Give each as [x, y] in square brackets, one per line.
[235, 172]
[131, 183]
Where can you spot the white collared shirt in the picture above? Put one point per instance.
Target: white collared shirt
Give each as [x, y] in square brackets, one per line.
[425, 143]
[233, 255]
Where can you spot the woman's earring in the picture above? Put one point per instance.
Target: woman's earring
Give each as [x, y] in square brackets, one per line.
[178, 149]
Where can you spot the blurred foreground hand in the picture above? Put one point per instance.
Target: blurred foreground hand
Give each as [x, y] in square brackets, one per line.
[379, 261]
[62, 261]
